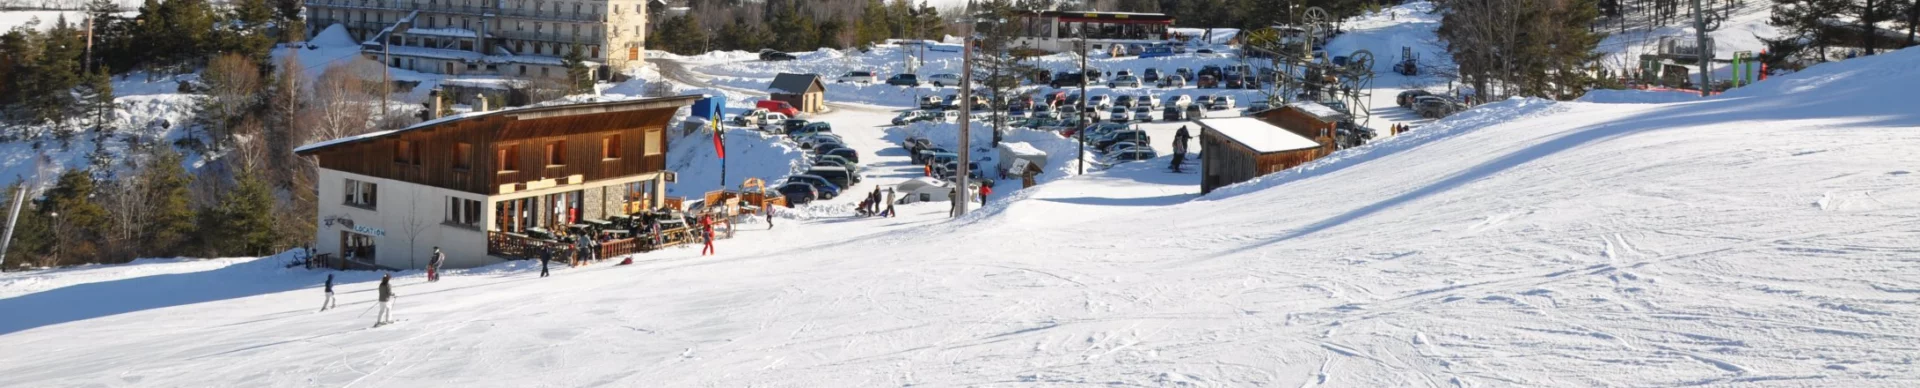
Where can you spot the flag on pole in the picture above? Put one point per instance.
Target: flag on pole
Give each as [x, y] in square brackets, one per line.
[719, 147]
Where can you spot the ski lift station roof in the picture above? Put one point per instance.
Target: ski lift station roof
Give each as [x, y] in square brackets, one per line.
[1258, 135]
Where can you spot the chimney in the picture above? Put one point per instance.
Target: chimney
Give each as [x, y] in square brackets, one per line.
[434, 112]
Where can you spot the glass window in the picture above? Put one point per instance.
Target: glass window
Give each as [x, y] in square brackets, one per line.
[556, 151]
[507, 159]
[462, 211]
[654, 142]
[610, 147]
[362, 194]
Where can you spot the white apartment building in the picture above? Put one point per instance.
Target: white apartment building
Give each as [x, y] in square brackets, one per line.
[513, 38]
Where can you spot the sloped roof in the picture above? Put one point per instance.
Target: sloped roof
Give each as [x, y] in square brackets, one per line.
[791, 83]
[674, 102]
[1257, 134]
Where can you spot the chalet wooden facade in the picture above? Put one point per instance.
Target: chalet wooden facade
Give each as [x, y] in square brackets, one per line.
[1242, 148]
[459, 182]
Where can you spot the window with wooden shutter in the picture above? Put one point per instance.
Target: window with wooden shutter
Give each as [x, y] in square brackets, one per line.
[610, 147]
[507, 159]
[556, 153]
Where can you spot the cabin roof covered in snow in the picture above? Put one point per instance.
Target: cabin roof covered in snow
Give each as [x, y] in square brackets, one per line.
[1322, 112]
[674, 102]
[1257, 134]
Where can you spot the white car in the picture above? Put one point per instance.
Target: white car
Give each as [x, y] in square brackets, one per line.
[1122, 73]
[771, 121]
[1143, 114]
[1099, 102]
[1221, 102]
[1124, 81]
[1147, 100]
[1119, 114]
[942, 80]
[1182, 101]
[859, 77]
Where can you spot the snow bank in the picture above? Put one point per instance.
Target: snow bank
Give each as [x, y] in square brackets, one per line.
[750, 153]
[1612, 96]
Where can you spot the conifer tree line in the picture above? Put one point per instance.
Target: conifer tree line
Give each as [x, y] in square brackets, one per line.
[1507, 48]
[228, 184]
[793, 25]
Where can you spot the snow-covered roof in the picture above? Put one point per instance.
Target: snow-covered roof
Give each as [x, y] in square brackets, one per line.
[790, 83]
[449, 32]
[1259, 135]
[1322, 112]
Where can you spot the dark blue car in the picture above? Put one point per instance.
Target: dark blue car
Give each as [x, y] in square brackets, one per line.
[828, 190]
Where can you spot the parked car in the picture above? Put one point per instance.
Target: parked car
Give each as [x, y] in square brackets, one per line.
[836, 163]
[1127, 135]
[1256, 107]
[1207, 82]
[848, 153]
[1214, 70]
[1124, 81]
[827, 189]
[750, 118]
[1181, 101]
[1150, 75]
[798, 193]
[1173, 113]
[1183, 72]
[1119, 114]
[1142, 113]
[1136, 154]
[1123, 101]
[904, 79]
[1173, 81]
[776, 106]
[1405, 99]
[1150, 100]
[1123, 73]
[859, 77]
[1235, 81]
[929, 102]
[814, 142]
[837, 175]
[942, 80]
[1434, 107]
[1221, 102]
[775, 55]
[1072, 79]
[1195, 112]
[770, 122]
[789, 126]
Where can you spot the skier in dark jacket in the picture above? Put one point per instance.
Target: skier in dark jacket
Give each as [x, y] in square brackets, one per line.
[329, 302]
[386, 300]
[1179, 148]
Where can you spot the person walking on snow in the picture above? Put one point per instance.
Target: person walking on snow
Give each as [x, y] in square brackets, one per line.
[1179, 148]
[327, 304]
[386, 300]
[433, 265]
[984, 190]
[769, 218]
[889, 202]
[706, 229]
[546, 255]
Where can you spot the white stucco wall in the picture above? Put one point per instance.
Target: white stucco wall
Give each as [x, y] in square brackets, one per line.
[401, 204]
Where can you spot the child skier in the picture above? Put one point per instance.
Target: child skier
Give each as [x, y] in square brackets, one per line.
[386, 301]
[327, 304]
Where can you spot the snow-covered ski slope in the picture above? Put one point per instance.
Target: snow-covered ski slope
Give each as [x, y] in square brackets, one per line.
[1761, 238]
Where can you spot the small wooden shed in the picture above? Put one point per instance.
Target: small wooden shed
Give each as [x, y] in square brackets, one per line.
[1309, 120]
[1239, 149]
[805, 92]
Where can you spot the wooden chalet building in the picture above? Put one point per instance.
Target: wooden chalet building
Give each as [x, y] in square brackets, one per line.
[466, 183]
[1239, 149]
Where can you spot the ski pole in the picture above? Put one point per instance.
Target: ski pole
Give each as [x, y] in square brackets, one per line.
[364, 312]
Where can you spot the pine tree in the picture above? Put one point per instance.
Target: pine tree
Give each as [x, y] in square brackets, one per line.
[579, 76]
[32, 233]
[1804, 19]
[169, 220]
[78, 221]
[242, 223]
[97, 96]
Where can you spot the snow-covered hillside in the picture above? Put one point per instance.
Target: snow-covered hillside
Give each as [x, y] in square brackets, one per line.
[1760, 238]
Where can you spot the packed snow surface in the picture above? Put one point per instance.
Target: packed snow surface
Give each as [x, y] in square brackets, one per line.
[1764, 237]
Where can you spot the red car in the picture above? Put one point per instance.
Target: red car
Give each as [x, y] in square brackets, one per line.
[781, 107]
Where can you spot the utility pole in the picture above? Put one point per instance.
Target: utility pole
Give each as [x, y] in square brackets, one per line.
[386, 85]
[86, 62]
[1080, 114]
[1705, 49]
[966, 121]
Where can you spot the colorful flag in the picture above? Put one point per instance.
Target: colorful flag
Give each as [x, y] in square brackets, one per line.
[719, 146]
